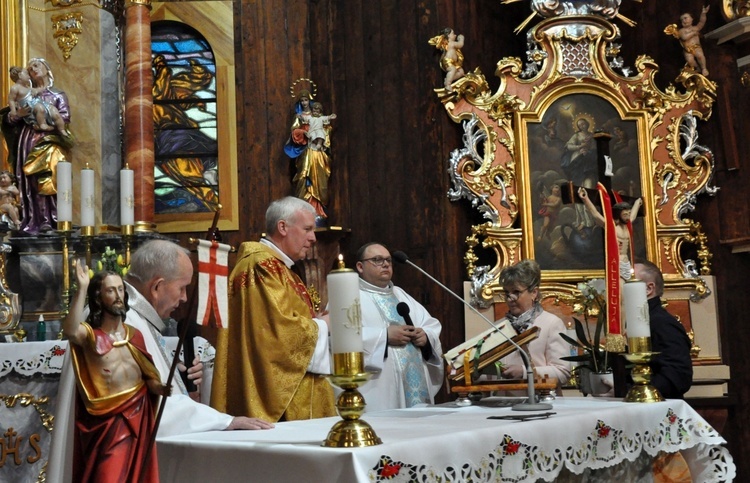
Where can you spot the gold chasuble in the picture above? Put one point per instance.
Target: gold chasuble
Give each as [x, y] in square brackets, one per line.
[262, 357]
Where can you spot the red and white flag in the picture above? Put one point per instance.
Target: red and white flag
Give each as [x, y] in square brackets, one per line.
[213, 270]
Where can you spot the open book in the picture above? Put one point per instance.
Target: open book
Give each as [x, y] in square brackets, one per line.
[494, 346]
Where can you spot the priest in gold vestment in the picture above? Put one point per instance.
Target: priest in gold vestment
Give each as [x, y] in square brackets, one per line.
[272, 359]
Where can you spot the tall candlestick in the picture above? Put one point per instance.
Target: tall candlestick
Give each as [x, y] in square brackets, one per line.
[64, 192]
[87, 197]
[127, 197]
[344, 310]
[636, 309]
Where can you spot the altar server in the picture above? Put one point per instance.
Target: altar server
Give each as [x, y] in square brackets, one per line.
[401, 339]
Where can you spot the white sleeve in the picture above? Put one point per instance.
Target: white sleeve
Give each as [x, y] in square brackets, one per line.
[374, 334]
[182, 415]
[321, 359]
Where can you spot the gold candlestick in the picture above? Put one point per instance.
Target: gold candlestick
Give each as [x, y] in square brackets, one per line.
[65, 228]
[352, 431]
[641, 356]
[127, 235]
[87, 233]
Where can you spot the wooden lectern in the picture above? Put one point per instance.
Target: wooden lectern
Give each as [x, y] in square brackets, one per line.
[463, 362]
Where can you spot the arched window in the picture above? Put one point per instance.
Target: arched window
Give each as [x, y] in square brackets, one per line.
[186, 171]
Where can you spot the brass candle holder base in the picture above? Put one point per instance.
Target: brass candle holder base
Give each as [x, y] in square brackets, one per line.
[642, 391]
[351, 432]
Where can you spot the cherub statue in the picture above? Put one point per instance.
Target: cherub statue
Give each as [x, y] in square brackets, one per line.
[689, 37]
[452, 59]
[24, 98]
[10, 198]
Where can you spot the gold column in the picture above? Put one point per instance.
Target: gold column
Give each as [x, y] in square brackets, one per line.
[139, 115]
[13, 51]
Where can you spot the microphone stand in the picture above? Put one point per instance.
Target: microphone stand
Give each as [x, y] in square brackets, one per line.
[530, 404]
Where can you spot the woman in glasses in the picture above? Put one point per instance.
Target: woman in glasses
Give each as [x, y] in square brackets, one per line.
[520, 284]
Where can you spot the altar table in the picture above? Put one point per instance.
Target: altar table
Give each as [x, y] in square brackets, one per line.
[608, 440]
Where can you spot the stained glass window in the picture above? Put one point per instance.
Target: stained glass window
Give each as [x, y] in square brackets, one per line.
[185, 129]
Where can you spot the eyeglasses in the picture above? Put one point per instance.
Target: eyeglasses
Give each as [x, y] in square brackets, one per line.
[515, 294]
[379, 261]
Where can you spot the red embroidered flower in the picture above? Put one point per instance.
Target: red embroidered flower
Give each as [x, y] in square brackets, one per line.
[512, 447]
[390, 470]
[604, 431]
[58, 351]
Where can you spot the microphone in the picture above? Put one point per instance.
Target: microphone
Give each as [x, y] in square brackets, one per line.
[403, 310]
[529, 405]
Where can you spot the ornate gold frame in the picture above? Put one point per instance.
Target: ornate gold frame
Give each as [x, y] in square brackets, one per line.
[574, 57]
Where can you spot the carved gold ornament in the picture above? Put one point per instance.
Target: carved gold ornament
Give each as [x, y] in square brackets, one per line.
[66, 28]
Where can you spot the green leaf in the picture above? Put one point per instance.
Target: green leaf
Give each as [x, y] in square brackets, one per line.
[571, 341]
[581, 334]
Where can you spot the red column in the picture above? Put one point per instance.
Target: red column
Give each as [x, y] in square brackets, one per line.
[139, 116]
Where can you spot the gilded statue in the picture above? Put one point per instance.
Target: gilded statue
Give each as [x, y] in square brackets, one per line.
[35, 149]
[452, 59]
[689, 36]
[309, 147]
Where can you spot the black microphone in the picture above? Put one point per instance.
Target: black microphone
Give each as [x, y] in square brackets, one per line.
[188, 351]
[529, 405]
[403, 310]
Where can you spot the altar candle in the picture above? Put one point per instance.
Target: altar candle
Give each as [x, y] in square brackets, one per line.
[636, 309]
[127, 199]
[64, 192]
[87, 197]
[344, 310]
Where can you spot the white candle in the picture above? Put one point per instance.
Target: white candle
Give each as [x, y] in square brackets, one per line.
[636, 309]
[87, 197]
[64, 192]
[127, 197]
[344, 310]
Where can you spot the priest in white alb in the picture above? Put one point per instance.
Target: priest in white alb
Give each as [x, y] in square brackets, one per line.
[401, 339]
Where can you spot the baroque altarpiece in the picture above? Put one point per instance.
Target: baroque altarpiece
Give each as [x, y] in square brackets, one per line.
[514, 158]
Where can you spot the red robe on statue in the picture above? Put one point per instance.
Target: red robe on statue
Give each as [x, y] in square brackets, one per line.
[112, 431]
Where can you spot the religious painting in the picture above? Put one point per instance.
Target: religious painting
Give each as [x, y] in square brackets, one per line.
[562, 156]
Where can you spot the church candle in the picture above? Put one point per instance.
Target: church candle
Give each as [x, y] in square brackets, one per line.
[87, 197]
[127, 200]
[344, 310]
[64, 192]
[636, 309]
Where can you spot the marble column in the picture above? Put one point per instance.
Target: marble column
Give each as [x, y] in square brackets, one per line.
[139, 124]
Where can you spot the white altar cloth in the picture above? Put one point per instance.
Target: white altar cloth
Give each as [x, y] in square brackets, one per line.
[441, 443]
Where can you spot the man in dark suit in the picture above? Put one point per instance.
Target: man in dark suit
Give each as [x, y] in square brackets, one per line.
[672, 369]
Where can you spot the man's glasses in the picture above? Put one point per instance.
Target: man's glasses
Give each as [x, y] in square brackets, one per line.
[379, 261]
[514, 294]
